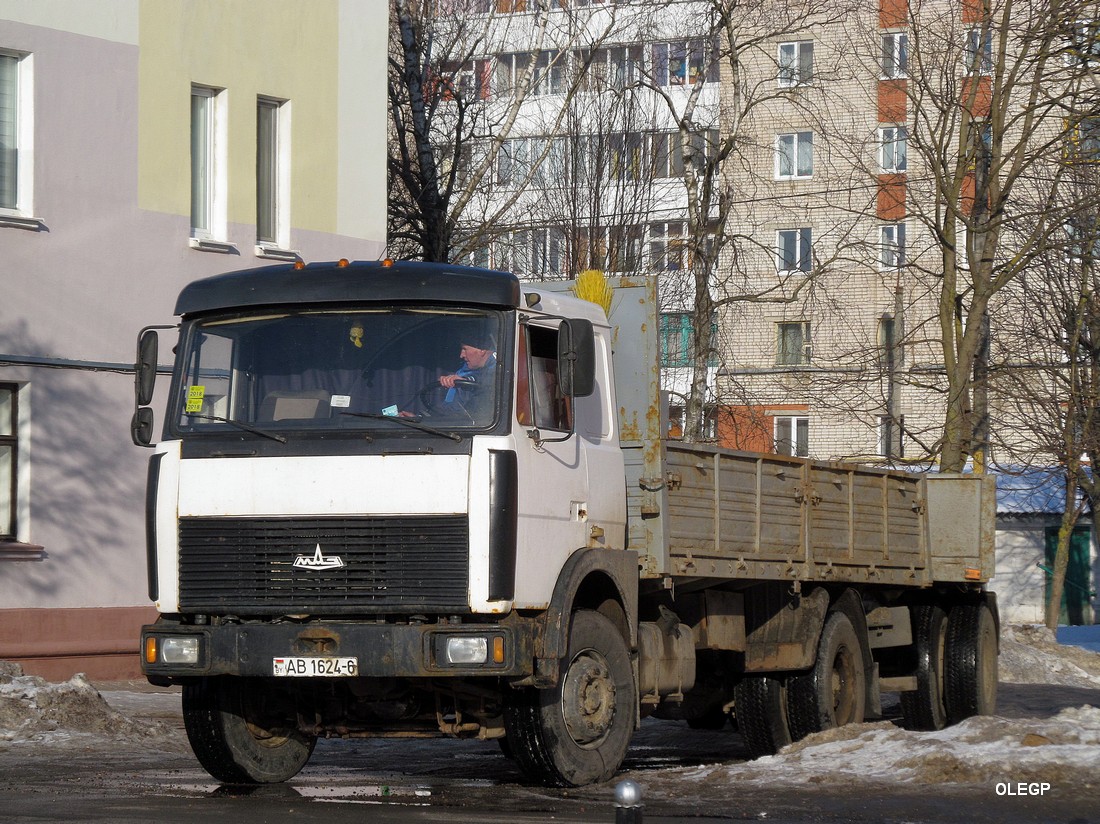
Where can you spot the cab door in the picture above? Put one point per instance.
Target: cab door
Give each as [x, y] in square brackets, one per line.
[553, 469]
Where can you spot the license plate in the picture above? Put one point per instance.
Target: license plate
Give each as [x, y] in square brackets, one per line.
[316, 667]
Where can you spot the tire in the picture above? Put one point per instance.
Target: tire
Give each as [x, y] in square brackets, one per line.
[577, 733]
[760, 707]
[242, 733]
[924, 708]
[970, 677]
[834, 692]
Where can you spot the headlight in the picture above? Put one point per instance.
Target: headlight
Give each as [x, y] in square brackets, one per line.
[179, 650]
[463, 649]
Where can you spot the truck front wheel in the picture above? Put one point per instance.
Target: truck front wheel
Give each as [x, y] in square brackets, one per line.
[244, 732]
[577, 733]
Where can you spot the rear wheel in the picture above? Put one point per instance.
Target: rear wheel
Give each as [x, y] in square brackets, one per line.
[760, 707]
[923, 708]
[834, 692]
[970, 652]
[244, 732]
[577, 733]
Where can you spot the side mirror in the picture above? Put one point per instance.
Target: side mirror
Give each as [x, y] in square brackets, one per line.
[141, 426]
[145, 369]
[576, 357]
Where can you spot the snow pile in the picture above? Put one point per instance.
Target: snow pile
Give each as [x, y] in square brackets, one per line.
[1063, 748]
[32, 709]
[1030, 654]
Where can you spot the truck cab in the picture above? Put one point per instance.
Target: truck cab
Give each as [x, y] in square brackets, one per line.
[334, 534]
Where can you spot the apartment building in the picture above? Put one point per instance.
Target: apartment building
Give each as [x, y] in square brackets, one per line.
[144, 145]
[889, 136]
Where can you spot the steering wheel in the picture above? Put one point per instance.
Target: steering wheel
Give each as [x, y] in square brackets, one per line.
[431, 397]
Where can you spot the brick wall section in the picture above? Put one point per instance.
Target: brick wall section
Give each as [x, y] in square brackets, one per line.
[893, 13]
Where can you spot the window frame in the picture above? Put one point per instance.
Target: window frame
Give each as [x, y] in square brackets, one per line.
[891, 246]
[801, 144]
[893, 148]
[802, 257]
[11, 441]
[800, 354]
[891, 433]
[18, 210]
[798, 437]
[212, 179]
[798, 69]
[894, 55]
[978, 52]
[278, 234]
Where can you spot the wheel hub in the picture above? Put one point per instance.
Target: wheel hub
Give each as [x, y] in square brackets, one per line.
[588, 698]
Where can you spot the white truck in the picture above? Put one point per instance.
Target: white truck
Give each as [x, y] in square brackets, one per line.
[340, 546]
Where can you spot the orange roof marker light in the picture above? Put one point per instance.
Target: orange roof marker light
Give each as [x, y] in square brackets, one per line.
[341, 263]
[299, 264]
[387, 262]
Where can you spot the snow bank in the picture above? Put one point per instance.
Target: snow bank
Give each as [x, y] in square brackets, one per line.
[32, 709]
[977, 751]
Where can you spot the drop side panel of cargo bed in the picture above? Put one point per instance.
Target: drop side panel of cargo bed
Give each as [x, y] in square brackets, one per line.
[749, 516]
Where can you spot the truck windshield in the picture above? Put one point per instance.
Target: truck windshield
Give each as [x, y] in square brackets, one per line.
[339, 370]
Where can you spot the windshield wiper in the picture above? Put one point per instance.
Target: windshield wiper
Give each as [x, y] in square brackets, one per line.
[240, 425]
[411, 422]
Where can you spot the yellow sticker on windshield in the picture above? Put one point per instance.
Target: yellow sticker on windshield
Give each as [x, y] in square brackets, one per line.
[195, 395]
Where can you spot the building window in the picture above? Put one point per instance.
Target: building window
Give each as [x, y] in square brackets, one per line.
[796, 63]
[16, 133]
[684, 62]
[9, 460]
[794, 155]
[1084, 140]
[615, 68]
[793, 344]
[549, 73]
[892, 246]
[668, 247]
[792, 435]
[892, 145]
[668, 155]
[272, 173]
[890, 443]
[794, 250]
[979, 51]
[208, 195]
[465, 82]
[1083, 239]
[676, 340]
[895, 55]
[1084, 45]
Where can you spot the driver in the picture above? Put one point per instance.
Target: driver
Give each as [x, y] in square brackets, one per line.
[479, 359]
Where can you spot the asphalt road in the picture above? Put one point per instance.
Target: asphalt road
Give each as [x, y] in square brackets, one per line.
[85, 779]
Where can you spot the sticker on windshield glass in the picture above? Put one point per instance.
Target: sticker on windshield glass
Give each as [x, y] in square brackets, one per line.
[390, 411]
[342, 401]
[194, 398]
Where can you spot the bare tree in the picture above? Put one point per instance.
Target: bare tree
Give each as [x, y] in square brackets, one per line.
[995, 98]
[454, 102]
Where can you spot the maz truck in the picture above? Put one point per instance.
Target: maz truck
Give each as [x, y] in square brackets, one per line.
[341, 546]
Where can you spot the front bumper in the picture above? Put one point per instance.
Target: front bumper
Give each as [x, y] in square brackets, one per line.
[382, 650]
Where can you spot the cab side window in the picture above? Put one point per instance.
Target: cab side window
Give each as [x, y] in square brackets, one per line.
[539, 401]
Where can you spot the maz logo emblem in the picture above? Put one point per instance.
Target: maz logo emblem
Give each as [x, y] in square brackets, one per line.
[318, 561]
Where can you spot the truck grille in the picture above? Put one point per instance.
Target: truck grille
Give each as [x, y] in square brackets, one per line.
[265, 566]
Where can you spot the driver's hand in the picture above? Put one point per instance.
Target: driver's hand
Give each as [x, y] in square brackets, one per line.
[448, 380]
